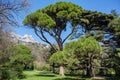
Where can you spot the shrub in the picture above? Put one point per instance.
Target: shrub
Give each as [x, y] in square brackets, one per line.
[46, 67]
[7, 73]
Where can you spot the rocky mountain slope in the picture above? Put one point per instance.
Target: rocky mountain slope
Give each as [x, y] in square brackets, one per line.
[39, 50]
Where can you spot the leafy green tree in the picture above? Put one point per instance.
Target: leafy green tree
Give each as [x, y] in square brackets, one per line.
[20, 58]
[53, 20]
[86, 51]
[21, 54]
[59, 58]
[72, 61]
[15, 58]
[93, 20]
[52, 51]
[114, 29]
[94, 24]
[111, 60]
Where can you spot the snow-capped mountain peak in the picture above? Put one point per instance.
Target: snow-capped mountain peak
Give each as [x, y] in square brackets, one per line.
[26, 38]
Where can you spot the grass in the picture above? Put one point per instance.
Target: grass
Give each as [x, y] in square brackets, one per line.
[37, 75]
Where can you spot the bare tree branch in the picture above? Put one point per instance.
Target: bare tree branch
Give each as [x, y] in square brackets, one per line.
[68, 35]
[9, 9]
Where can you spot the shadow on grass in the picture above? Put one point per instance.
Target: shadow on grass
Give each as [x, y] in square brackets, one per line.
[73, 75]
[113, 78]
[45, 74]
[78, 78]
[69, 79]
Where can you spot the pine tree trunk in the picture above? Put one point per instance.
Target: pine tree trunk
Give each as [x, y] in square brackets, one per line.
[60, 45]
[61, 70]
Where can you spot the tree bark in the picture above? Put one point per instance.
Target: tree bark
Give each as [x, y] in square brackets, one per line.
[60, 45]
[89, 72]
[93, 71]
[53, 68]
[90, 68]
[61, 70]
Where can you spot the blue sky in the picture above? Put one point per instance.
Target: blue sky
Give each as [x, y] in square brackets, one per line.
[104, 6]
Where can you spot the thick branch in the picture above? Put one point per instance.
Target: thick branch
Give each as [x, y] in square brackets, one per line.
[68, 35]
[47, 40]
[59, 40]
[35, 30]
[43, 38]
[51, 34]
[56, 36]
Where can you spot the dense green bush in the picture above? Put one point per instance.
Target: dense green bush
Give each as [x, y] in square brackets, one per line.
[11, 71]
[45, 67]
[19, 70]
[7, 73]
[4, 73]
[110, 72]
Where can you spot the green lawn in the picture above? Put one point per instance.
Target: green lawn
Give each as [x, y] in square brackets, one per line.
[37, 75]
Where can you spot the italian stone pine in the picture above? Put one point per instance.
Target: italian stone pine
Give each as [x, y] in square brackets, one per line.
[53, 20]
